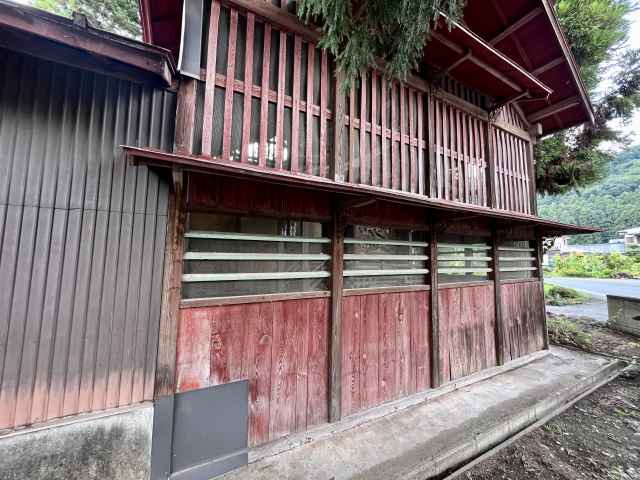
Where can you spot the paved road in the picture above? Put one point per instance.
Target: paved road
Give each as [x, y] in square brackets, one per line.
[599, 286]
[597, 289]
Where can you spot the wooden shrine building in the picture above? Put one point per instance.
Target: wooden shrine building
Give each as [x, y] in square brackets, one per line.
[241, 216]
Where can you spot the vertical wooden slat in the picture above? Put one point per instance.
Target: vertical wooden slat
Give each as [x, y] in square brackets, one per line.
[459, 154]
[374, 130]
[383, 118]
[335, 346]
[311, 55]
[369, 353]
[324, 91]
[421, 160]
[532, 179]
[467, 134]
[280, 105]
[481, 139]
[432, 148]
[230, 80]
[185, 115]
[412, 136]
[446, 150]
[404, 172]
[263, 148]
[387, 372]
[318, 380]
[248, 85]
[352, 133]
[395, 175]
[207, 125]
[338, 131]
[363, 129]
[351, 340]
[295, 110]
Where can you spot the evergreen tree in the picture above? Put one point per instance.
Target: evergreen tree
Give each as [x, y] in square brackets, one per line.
[117, 16]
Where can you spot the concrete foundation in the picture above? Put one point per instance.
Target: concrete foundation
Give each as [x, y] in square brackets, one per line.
[439, 434]
[112, 445]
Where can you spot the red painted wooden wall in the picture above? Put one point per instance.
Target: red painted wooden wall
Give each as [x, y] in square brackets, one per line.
[523, 318]
[467, 323]
[280, 347]
[385, 348]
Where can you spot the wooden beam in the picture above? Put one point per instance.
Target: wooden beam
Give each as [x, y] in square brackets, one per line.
[458, 62]
[497, 290]
[565, 104]
[548, 66]
[495, 73]
[436, 377]
[335, 346]
[516, 26]
[185, 115]
[519, 47]
[169, 316]
[540, 273]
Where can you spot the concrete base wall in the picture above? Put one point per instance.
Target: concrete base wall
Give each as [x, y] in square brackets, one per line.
[114, 445]
[624, 313]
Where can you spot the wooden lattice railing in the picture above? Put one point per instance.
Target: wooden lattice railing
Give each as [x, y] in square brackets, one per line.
[270, 98]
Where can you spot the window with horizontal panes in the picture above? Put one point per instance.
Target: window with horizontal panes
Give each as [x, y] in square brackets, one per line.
[517, 260]
[463, 259]
[230, 255]
[384, 257]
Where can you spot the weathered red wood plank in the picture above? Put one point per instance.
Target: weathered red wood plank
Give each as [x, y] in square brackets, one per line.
[351, 326]
[228, 94]
[300, 320]
[352, 133]
[421, 339]
[438, 150]
[369, 305]
[421, 160]
[317, 401]
[263, 148]
[193, 351]
[404, 171]
[413, 135]
[395, 168]
[207, 122]
[387, 348]
[257, 369]
[283, 370]
[248, 85]
[403, 346]
[446, 147]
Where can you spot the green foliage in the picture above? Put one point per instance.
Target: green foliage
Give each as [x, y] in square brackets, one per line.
[597, 31]
[614, 265]
[360, 33]
[563, 331]
[117, 16]
[613, 203]
[558, 296]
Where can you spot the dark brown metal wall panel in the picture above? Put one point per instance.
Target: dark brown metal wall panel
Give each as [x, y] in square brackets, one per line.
[81, 239]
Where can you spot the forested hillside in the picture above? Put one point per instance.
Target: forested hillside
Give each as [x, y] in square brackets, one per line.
[613, 203]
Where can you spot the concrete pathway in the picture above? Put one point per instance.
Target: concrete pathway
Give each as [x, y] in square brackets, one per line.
[436, 434]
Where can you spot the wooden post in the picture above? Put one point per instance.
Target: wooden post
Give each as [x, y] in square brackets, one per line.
[491, 164]
[335, 358]
[185, 116]
[539, 260]
[532, 179]
[497, 291]
[338, 127]
[169, 317]
[435, 328]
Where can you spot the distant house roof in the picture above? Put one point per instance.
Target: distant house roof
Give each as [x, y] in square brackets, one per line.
[631, 231]
[525, 32]
[42, 34]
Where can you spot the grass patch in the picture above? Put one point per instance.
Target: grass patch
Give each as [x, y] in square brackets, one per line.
[559, 296]
[563, 331]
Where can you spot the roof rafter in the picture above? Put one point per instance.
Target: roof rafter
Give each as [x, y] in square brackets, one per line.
[509, 31]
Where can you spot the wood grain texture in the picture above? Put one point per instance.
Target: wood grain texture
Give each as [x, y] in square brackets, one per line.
[523, 319]
[281, 348]
[466, 331]
[385, 348]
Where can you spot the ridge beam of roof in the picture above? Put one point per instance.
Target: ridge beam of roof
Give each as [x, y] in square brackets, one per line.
[548, 66]
[554, 109]
[517, 25]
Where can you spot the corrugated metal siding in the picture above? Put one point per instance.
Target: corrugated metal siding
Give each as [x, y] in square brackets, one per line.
[82, 239]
